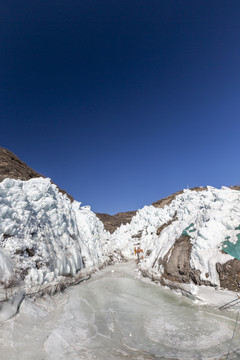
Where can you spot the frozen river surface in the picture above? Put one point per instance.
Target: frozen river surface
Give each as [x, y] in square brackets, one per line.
[117, 315]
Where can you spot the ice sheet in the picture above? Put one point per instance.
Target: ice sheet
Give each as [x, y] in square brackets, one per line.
[117, 315]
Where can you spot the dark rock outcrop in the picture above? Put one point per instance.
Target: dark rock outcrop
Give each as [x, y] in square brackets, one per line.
[229, 274]
[176, 264]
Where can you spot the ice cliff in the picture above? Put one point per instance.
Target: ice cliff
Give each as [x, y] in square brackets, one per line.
[43, 236]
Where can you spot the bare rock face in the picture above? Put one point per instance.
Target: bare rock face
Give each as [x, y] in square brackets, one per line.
[229, 274]
[12, 167]
[176, 264]
[177, 267]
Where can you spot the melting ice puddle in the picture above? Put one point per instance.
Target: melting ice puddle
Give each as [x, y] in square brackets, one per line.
[115, 315]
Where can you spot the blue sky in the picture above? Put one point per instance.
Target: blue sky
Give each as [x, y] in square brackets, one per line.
[122, 103]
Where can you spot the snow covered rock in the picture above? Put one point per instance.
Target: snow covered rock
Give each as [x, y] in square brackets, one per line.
[183, 241]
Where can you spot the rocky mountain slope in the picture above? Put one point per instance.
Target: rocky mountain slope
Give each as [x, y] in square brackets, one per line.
[13, 168]
[112, 222]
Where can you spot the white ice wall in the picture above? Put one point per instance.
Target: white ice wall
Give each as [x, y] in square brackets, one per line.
[42, 234]
[215, 214]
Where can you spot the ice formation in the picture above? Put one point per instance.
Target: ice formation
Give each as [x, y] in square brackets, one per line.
[207, 217]
[44, 237]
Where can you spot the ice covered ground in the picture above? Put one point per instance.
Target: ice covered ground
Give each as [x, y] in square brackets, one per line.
[46, 240]
[118, 315]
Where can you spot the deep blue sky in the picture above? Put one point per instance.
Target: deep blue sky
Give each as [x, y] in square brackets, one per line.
[122, 102]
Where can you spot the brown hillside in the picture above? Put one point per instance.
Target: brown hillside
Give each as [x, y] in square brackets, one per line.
[112, 222]
[14, 168]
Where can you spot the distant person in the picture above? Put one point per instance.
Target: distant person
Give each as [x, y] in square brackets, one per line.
[137, 252]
